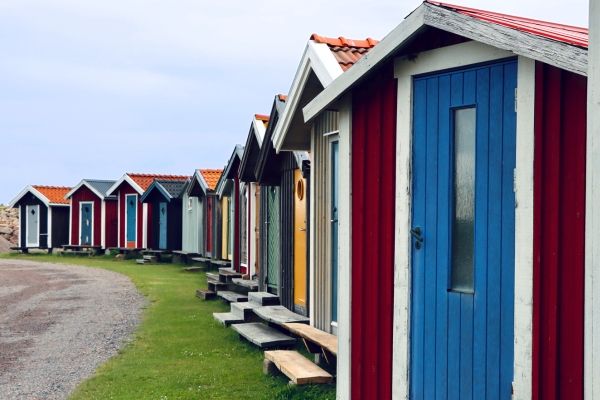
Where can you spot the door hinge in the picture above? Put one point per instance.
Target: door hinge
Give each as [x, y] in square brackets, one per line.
[516, 97]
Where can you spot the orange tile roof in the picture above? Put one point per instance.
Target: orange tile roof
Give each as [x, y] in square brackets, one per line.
[346, 51]
[282, 97]
[211, 176]
[145, 180]
[55, 194]
[263, 118]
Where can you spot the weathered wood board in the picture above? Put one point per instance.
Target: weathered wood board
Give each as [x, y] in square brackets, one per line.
[299, 369]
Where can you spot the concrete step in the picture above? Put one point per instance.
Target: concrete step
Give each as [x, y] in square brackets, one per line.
[248, 284]
[263, 336]
[263, 298]
[280, 315]
[295, 366]
[243, 309]
[227, 318]
[231, 297]
[141, 261]
[150, 258]
[213, 276]
[194, 269]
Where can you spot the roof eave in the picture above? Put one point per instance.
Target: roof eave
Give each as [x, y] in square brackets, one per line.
[33, 191]
[558, 54]
[131, 182]
[86, 184]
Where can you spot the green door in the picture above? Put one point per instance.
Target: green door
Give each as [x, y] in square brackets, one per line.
[273, 257]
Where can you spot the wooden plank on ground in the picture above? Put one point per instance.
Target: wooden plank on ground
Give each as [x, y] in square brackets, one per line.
[325, 340]
[298, 368]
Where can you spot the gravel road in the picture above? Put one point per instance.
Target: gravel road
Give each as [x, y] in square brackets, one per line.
[58, 323]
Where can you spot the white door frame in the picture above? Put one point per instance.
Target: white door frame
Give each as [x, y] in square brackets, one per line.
[81, 204]
[463, 55]
[37, 211]
[136, 219]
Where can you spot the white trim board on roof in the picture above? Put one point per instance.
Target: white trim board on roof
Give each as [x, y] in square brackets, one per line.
[558, 54]
[85, 182]
[316, 58]
[33, 191]
[130, 181]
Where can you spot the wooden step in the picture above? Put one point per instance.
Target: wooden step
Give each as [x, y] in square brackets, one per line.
[227, 318]
[299, 369]
[279, 315]
[263, 336]
[216, 286]
[213, 276]
[194, 269]
[221, 263]
[231, 297]
[226, 274]
[203, 260]
[263, 298]
[150, 258]
[205, 294]
[141, 261]
[243, 309]
[249, 284]
[311, 335]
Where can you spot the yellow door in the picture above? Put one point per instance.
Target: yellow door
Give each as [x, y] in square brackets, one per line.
[224, 227]
[300, 239]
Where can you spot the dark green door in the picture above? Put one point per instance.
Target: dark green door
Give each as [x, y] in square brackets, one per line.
[273, 257]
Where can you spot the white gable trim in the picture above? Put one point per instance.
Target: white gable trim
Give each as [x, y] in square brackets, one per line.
[86, 184]
[463, 55]
[125, 178]
[33, 191]
[318, 58]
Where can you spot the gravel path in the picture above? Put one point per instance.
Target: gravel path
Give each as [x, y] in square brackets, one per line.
[58, 323]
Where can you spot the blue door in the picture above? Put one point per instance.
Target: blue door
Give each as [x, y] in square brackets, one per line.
[131, 220]
[162, 225]
[334, 228]
[463, 225]
[86, 224]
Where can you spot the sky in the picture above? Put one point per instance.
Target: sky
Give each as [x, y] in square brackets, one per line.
[94, 89]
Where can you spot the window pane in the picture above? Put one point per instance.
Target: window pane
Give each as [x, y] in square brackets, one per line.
[463, 224]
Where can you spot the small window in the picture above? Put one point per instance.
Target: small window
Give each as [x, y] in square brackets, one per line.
[463, 200]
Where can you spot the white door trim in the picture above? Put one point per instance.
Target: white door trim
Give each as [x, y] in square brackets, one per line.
[81, 204]
[27, 208]
[136, 219]
[463, 55]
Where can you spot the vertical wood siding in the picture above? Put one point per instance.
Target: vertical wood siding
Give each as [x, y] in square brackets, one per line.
[85, 194]
[286, 230]
[236, 223]
[60, 226]
[373, 206]
[559, 234]
[326, 123]
[110, 223]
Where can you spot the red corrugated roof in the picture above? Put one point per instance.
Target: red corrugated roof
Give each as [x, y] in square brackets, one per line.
[346, 51]
[145, 180]
[55, 194]
[211, 176]
[572, 35]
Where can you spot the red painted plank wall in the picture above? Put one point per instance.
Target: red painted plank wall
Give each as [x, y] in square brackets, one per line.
[559, 234]
[85, 194]
[373, 205]
[110, 232]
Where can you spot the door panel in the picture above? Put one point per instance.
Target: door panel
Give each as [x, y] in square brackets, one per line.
[334, 228]
[86, 224]
[131, 218]
[463, 233]
[299, 239]
[162, 225]
[273, 237]
[33, 225]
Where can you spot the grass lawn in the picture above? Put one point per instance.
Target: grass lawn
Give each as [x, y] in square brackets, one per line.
[179, 351]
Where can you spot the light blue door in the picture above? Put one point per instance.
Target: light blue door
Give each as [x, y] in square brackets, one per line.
[334, 228]
[86, 223]
[463, 223]
[162, 225]
[131, 219]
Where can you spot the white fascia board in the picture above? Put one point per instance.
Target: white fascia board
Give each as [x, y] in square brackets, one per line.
[32, 190]
[318, 58]
[373, 58]
[86, 184]
[200, 178]
[125, 178]
[259, 130]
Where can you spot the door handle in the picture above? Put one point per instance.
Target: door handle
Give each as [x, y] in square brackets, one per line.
[302, 229]
[417, 234]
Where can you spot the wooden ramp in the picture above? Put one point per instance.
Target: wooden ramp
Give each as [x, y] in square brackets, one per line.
[279, 315]
[311, 335]
[299, 369]
[263, 336]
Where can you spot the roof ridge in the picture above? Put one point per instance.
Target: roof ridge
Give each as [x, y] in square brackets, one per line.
[344, 42]
[50, 187]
